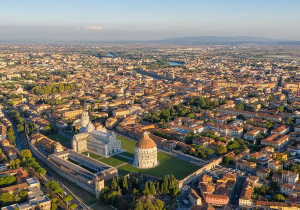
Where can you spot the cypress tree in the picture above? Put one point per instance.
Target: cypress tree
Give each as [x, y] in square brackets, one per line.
[114, 185]
[146, 190]
[152, 188]
[125, 186]
[157, 187]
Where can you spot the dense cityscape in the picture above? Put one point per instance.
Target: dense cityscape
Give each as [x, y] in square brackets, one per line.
[149, 126]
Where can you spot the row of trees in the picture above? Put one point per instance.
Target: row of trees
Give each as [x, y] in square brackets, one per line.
[165, 115]
[57, 190]
[164, 135]
[199, 151]
[28, 161]
[10, 135]
[53, 88]
[31, 128]
[16, 117]
[142, 196]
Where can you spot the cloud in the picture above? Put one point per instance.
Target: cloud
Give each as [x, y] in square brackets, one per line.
[90, 28]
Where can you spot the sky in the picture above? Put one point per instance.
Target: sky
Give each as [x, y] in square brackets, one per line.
[147, 19]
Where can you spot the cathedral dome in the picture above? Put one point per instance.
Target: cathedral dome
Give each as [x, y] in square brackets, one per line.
[90, 127]
[146, 142]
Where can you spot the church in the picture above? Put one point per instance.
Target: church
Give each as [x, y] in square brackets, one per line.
[98, 142]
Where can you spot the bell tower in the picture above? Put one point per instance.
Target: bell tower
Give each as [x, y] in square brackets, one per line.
[85, 119]
[99, 185]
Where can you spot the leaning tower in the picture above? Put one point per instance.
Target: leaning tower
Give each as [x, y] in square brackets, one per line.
[85, 119]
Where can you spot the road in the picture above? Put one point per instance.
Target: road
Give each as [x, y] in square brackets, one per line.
[48, 176]
[19, 142]
[236, 192]
[181, 197]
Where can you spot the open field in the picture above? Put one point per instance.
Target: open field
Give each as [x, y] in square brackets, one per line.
[61, 139]
[127, 144]
[115, 160]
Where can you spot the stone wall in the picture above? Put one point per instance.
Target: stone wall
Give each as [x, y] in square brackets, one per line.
[189, 156]
[197, 173]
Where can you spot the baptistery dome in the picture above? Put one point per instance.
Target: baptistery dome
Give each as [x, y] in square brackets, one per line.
[145, 152]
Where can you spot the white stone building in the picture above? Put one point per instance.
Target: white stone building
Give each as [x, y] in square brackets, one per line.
[145, 153]
[96, 141]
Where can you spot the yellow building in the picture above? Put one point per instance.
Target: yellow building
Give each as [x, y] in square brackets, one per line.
[245, 165]
[71, 114]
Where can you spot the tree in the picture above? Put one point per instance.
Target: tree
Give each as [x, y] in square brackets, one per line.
[38, 207]
[125, 186]
[279, 197]
[240, 106]
[159, 204]
[146, 190]
[17, 197]
[12, 164]
[20, 128]
[72, 206]
[41, 171]
[152, 188]
[17, 162]
[6, 198]
[165, 186]
[67, 198]
[25, 153]
[114, 184]
[210, 151]
[221, 149]
[54, 187]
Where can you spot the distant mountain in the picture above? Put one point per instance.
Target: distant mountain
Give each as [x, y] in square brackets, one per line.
[195, 40]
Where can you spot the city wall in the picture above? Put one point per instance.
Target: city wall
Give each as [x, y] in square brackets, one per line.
[197, 173]
[189, 156]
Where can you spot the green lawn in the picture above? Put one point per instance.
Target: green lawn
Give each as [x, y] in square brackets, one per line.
[127, 144]
[114, 160]
[61, 139]
[167, 165]
[92, 155]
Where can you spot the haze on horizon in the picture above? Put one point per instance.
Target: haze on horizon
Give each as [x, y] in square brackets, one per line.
[147, 20]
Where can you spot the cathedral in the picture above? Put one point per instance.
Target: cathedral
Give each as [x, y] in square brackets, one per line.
[96, 141]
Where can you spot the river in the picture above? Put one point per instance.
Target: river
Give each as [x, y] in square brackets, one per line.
[173, 63]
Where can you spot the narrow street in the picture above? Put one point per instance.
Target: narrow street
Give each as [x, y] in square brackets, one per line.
[236, 192]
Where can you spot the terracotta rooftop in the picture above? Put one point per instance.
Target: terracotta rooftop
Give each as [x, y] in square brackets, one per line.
[146, 142]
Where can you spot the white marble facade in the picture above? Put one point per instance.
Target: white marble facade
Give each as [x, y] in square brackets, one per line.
[96, 141]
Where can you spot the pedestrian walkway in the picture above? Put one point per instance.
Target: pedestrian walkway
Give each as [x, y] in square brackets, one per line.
[122, 164]
[125, 157]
